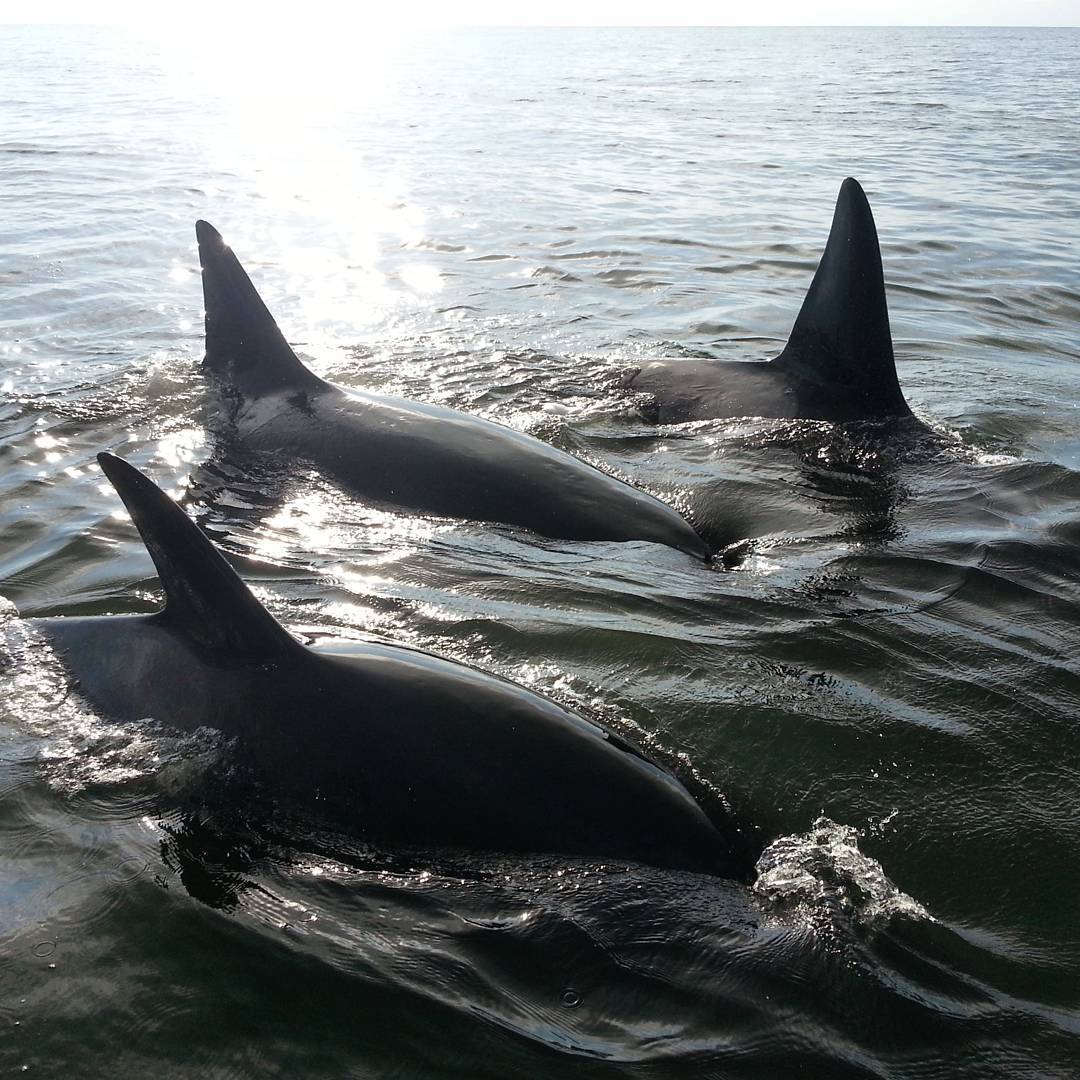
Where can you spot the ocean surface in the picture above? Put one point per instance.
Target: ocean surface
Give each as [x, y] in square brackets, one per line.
[885, 680]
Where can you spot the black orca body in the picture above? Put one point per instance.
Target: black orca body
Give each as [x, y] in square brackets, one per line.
[838, 364]
[421, 457]
[413, 748]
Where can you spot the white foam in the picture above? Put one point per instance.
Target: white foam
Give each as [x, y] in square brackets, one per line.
[822, 874]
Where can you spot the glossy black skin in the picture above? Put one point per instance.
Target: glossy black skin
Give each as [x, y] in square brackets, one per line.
[838, 364]
[438, 461]
[407, 746]
[696, 388]
[417, 456]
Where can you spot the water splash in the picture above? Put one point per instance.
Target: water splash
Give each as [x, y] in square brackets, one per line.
[822, 879]
[79, 749]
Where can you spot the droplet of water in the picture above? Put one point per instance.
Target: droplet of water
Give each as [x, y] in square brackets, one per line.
[128, 870]
[571, 998]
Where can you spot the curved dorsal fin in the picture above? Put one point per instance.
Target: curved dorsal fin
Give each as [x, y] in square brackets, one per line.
[841, 338]
[244, 347]
[205, 600]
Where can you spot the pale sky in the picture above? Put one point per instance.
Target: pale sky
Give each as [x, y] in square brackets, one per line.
[421, 13]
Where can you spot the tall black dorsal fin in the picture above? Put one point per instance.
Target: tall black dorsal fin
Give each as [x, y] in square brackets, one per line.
[841, 338]
[205, 600]
[244, 347]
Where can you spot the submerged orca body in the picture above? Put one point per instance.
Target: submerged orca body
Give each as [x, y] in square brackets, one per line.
[838, 364]
[413, 455]
[410, 747]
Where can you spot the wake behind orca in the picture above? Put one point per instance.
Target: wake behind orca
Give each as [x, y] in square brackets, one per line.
[417, 456]
[838, 364]
[411, 747]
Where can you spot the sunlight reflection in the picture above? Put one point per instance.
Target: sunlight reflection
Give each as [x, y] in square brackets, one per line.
[181, 447]
[357, 616]
[301, 524]
[277, 98]
[363, 584]
[421, 278]
[312, 523]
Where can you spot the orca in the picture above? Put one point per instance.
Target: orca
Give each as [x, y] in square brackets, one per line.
[420, 457]
[838, 364]
[410, 748]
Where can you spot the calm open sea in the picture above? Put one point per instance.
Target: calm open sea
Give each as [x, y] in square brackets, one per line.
[888, 683]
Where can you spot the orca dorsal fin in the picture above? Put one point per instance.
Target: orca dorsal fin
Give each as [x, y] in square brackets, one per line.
[841, 342]
[205, 600]
[244, 347]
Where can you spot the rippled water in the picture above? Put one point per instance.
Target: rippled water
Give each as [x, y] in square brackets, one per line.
[887, 682]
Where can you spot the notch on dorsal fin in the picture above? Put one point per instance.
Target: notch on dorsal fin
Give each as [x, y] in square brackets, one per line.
[205, 600]
[841, 340]
[244, 347]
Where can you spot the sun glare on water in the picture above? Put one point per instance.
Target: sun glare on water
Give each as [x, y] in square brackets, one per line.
[298, 114]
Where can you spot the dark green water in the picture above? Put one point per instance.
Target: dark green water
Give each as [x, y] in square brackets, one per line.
[887, 683]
